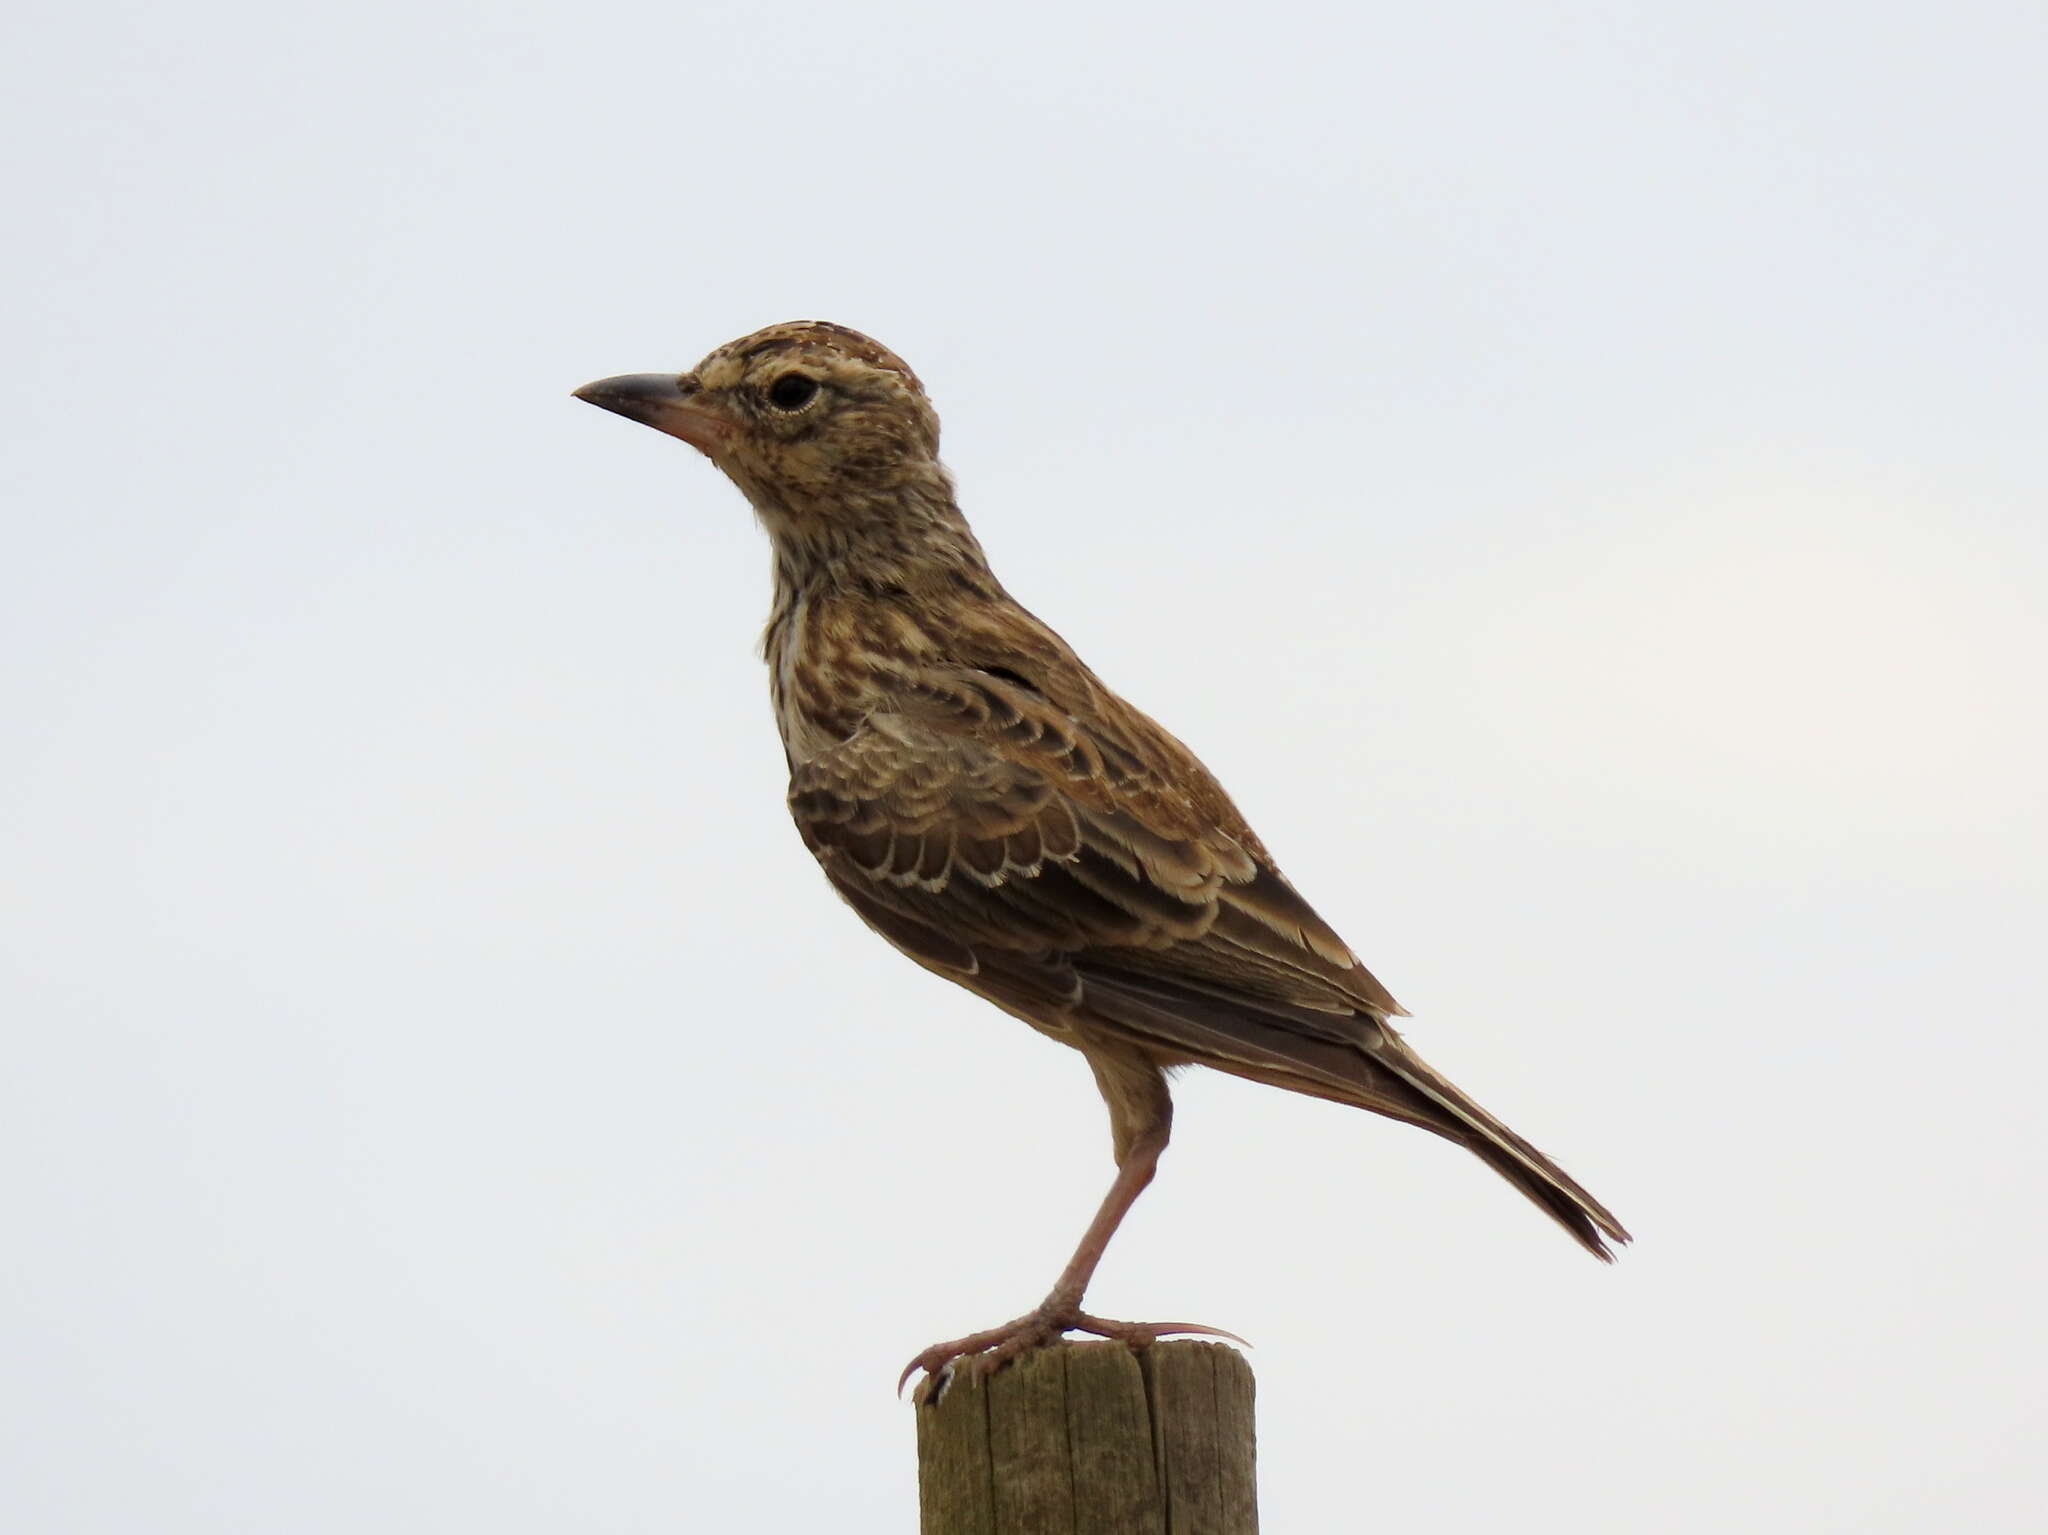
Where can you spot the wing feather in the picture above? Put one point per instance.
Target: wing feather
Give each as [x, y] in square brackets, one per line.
[1011, 839]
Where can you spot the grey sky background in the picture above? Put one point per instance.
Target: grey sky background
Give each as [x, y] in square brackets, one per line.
[1576, 476]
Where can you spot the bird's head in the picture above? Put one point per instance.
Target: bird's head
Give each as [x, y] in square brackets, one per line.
[822, 428]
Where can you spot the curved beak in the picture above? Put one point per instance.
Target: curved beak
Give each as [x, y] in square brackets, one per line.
[659, 400]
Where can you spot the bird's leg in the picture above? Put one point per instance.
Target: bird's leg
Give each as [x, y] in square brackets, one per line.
[1060, 1312]
[1134, 1173]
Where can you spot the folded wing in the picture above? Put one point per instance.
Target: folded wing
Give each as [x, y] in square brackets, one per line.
[1070, 878]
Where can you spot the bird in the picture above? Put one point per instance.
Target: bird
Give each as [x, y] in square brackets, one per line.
[986, 804]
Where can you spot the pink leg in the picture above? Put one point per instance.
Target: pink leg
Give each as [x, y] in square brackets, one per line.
[1060, 1311]
[1133, 1176]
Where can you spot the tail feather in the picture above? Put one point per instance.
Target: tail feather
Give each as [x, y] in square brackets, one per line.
[1547, 1185]
[1355, 1059]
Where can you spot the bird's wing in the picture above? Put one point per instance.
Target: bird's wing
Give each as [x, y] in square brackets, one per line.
[977, 820]
[1067, 873]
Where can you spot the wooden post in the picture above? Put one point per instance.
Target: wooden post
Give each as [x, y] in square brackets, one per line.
[1091, 1439]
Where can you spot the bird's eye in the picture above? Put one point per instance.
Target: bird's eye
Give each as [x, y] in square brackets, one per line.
[792, 391]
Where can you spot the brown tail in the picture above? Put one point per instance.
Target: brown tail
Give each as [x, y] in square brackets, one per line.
[1355, 1059]
[1546, 1184]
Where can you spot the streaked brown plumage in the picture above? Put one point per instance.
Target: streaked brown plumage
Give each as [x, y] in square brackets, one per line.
[987, 805]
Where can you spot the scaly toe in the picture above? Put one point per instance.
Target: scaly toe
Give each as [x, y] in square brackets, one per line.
[940, 1355]
[989, 1351]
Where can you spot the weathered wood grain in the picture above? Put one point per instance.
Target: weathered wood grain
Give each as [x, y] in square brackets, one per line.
[1091, 1439]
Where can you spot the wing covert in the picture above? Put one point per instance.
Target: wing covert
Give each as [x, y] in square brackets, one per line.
[958, 847]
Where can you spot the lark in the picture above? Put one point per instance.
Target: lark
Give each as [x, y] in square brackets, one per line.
[985, 803]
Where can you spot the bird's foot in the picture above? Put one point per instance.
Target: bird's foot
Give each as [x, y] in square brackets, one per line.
[989, 1351]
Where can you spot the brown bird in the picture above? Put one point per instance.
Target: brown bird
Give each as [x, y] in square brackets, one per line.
[987, 805]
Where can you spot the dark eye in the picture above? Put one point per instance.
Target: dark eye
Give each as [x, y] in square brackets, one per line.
[792, 391]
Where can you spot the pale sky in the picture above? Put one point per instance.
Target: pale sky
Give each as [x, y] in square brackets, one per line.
[1578, 478]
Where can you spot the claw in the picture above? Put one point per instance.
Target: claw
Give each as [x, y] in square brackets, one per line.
[1128, 1331]
[989, 1351]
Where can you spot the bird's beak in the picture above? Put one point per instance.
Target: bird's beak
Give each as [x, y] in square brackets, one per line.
[660, 401]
